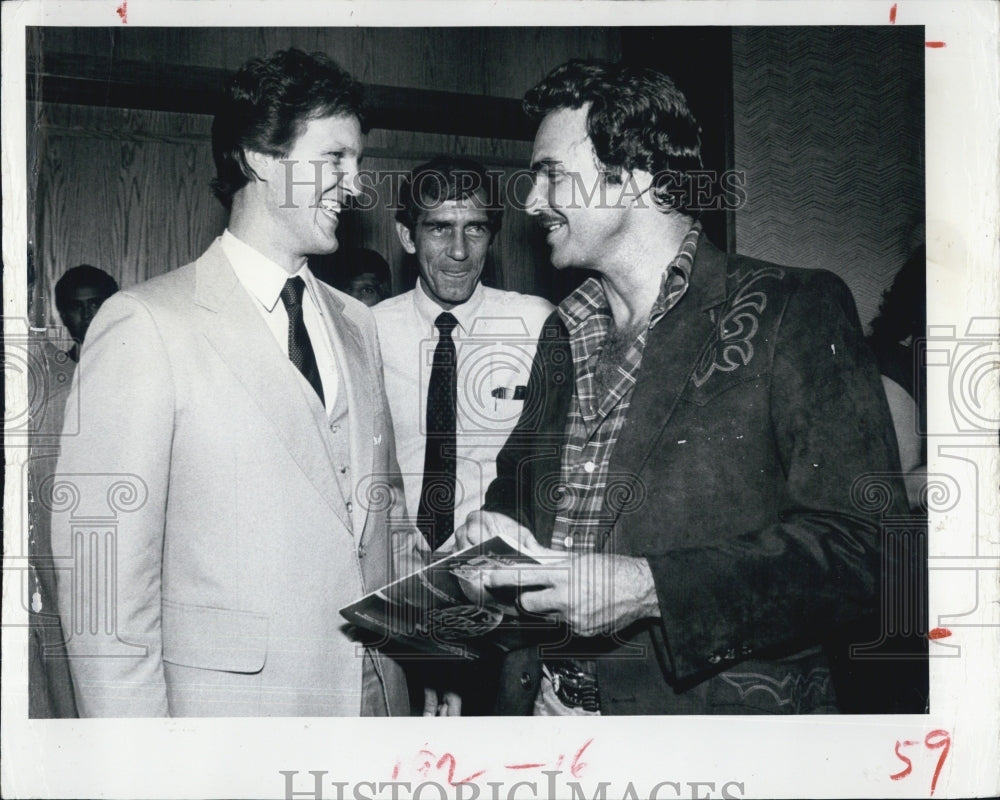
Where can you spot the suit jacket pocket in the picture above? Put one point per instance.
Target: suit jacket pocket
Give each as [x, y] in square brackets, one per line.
[721, 383]
[214, 638]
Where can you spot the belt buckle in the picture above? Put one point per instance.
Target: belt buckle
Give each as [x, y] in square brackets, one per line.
[575, 688]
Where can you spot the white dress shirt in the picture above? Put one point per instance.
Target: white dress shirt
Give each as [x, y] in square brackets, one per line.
[264, 280]
[495, 344]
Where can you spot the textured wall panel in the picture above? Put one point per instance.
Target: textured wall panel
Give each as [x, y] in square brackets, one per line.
[829, 129]
[128, 190]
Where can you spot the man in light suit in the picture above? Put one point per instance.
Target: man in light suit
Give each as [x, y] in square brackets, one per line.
[240, 403]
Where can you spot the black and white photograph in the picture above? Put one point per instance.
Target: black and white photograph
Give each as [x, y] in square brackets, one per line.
[673, 325]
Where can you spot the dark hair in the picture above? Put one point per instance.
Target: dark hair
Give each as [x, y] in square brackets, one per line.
[266, 105]
[903, 310]
[637, 119]
[449, 178]
[83, 275]
[360, 261]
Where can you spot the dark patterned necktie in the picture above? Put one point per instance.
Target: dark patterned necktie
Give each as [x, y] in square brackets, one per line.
[300, 350]
[436, 516]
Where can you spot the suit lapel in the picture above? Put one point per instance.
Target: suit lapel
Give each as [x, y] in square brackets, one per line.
[672, 351]
[355, 380]
[236, 331]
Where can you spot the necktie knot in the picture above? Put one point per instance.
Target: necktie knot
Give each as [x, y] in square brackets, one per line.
[291, 292]
[445, 323]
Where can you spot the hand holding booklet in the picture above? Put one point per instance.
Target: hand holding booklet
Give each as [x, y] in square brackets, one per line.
[444, 609]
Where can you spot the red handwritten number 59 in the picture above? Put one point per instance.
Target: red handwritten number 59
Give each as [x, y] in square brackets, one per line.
[935, 740]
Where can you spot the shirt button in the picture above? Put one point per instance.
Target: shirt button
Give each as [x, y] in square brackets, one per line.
[361, 551]
[568, 542]
[715, 658]
[526, 680]
[590, 466]
[343, 469]
[335, 428]
[350, 507]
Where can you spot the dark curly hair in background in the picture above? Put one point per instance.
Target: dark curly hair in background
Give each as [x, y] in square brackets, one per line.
[266, 105]
[903, 310]
[76, 278]
[445, 178]
[638, 119]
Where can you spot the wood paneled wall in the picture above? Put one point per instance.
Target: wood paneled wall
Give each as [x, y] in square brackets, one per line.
[128, 190]
[829, 129]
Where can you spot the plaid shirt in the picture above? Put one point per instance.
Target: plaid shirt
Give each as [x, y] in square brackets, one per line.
[595, 422]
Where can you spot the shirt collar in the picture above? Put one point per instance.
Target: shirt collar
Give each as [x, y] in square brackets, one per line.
[261, 276]
[465, 313]
[589, 298]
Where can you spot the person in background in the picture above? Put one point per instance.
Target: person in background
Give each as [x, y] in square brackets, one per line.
[79, 293]
[901, 322]
[894, 676]
[367, 276]
[457, 356]
[358, 271]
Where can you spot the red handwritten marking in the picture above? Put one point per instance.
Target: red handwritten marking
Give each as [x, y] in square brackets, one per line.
[122, 11]
[892, 21]
[395, 771]
[450, 760]
[943, 740]
[909, 764]
[939, 633]
[523, 766]
[935, 740]
[577, 766]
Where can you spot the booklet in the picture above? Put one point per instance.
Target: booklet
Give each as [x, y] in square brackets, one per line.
[443, 609]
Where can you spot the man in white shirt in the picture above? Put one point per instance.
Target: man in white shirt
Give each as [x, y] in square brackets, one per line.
[231, 415]
[456, 354]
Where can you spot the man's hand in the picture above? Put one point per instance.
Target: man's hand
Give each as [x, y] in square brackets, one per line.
[593, 593]
[442, 704]
[482, 525]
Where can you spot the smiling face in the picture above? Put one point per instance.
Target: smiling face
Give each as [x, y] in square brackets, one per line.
[450, 241]
[304, 192]
[584, 220]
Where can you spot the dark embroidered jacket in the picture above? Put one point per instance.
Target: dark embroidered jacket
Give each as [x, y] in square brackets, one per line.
[740, 476]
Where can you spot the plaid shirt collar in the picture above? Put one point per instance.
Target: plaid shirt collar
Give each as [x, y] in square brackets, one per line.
[589, 297]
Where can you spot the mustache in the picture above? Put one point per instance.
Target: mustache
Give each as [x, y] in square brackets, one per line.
[544, 218]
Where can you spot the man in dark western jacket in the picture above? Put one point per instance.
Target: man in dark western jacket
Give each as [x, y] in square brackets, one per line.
[691, 462]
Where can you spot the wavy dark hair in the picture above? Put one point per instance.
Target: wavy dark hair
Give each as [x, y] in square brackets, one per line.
[637, 119]
[448, 177]
[79, 276]
[903, 310]
[266, 105]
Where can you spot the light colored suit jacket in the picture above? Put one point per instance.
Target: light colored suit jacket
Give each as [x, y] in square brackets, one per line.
[213, 544]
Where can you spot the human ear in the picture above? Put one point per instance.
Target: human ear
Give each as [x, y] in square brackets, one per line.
[406, 238]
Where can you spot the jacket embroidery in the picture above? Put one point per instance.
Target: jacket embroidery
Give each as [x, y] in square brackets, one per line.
[792, 690]
[732, 345]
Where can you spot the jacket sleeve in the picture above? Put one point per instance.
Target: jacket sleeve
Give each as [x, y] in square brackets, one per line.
[408, 548]
[108, 503]
[779, 588]
[536, 438]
